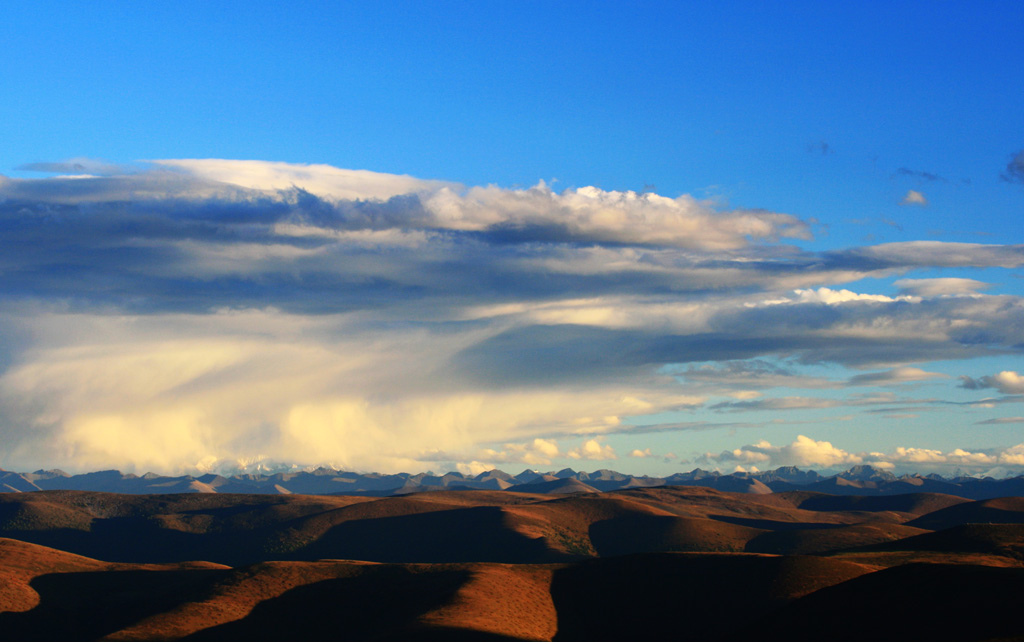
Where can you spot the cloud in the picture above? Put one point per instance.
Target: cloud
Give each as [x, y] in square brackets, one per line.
[743, 379]
[592, 449]
[165, 392]
[914, 197]
[807, 452]
[833, 297]
[926, 176]
[77, 166]
[196, 311]
[1007, 382]
[322, 180]
[820, 147]
[1000, 421]
[895, 375]
[947, 286]
[1014, 172]
[594, 215]
[890, 257]
[539, 452]
[641, 454]
[803, 451]
[779, 403]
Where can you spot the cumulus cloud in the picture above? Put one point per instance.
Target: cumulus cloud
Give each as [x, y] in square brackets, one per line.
[914, 197]
[1013, 456]
[803, 451]
[539, 452]
[641, 454]
[592, 449]
[1007, 382]
[810, 453]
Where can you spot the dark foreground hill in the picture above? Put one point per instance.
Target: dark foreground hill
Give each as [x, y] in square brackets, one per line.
[671, 562]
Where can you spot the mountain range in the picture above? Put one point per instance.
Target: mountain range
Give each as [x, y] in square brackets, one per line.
[859, 480]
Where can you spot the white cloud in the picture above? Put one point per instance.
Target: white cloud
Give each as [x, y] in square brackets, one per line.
[807, 452]
[592, 213]
[1007, 382]
[592, 449]
[836, 297]
[641, 454]
[803, 451]
[913, 197]
[539, 452]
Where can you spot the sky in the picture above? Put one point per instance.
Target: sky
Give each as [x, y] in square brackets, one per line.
[403, 236]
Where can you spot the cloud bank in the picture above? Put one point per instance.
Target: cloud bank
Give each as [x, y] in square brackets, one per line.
[808, 453]
[195, 311]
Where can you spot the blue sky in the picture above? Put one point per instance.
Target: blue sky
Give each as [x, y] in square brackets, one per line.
[787, 163]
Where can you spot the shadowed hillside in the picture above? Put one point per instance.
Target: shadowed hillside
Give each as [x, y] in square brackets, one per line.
[911, 602]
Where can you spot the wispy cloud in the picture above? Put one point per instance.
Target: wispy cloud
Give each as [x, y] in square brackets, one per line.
[998, 421]
[925, 176]
[895, 375]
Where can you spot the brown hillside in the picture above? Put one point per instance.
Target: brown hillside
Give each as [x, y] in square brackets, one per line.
[824, 540]
[640, 533]
[993, 539]
[912, 503]
[47, 594]
[752, 510]
[1004, 510]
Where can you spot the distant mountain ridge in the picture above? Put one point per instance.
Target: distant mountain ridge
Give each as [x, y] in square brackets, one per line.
[859, 480]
